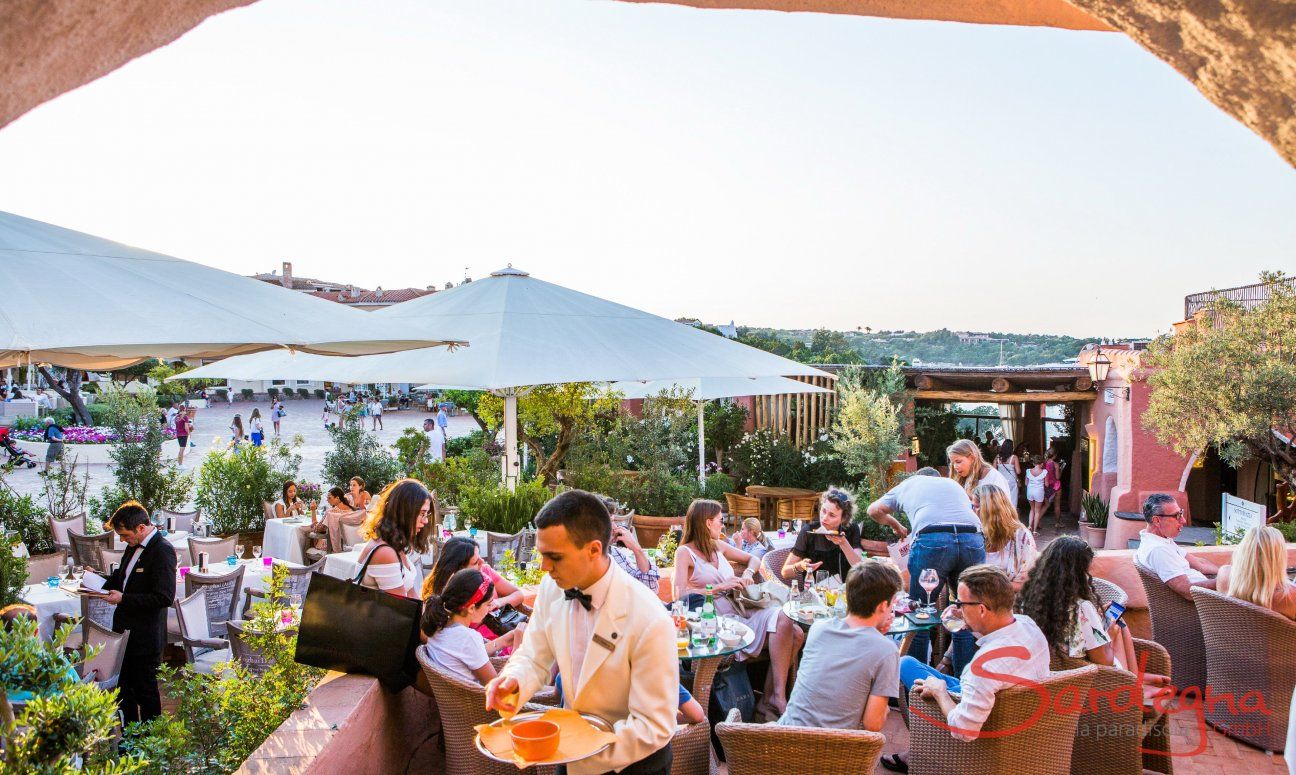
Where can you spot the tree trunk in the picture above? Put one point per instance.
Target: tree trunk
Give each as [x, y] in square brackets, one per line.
[72, 394]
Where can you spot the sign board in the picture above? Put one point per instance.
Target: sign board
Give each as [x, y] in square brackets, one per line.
[1109, 396]
[1239, 516]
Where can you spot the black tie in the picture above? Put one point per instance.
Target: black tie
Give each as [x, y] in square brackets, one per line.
[575, 594]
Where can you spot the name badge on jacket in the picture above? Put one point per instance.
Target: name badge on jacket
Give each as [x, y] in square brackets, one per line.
[604, 642]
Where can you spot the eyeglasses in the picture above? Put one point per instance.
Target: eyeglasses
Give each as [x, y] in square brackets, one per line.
[960, 603]
[1179, 515]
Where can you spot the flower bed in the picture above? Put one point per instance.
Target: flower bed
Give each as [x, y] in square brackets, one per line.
[81, 434]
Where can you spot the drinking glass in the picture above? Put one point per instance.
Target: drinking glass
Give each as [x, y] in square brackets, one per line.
[78, 571]
[242, 551]
[953, 620]
[256, 551]
[52, 582]
[929, 580]
[797, 525]
[821, 578]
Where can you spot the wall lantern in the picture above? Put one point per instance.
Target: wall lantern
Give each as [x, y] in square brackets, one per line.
[1099, 367]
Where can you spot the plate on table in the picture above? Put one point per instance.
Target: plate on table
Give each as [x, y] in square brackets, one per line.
[815, 610]
[594, 721]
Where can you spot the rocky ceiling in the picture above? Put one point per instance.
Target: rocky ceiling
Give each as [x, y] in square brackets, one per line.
[1241, 54]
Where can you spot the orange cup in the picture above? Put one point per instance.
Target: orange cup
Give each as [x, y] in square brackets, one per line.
[535, 740]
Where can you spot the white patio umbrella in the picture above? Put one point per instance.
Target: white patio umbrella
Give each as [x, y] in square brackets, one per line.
[527, 332]
[84, 302]
[704, 390]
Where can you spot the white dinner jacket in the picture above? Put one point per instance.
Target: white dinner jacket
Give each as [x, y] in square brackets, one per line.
[635, 684]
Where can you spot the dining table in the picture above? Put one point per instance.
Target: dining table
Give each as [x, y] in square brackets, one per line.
[903, 628]
[282, 538]
[49, 601]
[770, 496]
[706, 659]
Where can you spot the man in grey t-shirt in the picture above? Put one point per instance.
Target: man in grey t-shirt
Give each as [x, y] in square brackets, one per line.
[850, 668]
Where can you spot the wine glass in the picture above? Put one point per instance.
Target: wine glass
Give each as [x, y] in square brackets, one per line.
[821, 578]
[929, 581]
[242, 551]
[256, 551]
[77, 572]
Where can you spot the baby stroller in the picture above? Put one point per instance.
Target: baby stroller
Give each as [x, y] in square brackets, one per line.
[17, 455]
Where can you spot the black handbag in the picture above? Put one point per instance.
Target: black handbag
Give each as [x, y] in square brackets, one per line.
[504, 621]
[354, 629]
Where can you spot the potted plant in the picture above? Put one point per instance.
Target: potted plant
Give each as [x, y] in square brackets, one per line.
[1093, 524]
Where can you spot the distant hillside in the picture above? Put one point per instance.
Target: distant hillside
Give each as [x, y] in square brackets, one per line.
[943, 346]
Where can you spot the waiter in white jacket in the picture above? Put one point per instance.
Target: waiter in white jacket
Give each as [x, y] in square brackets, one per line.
[609, 635]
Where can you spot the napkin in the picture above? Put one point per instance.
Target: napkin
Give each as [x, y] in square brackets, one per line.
[577, 738]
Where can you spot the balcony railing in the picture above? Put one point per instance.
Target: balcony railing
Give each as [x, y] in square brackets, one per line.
[1249, 296]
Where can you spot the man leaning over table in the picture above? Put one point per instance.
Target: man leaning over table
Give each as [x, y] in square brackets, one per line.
[610, 637]
[1158, 552]
[142, 588]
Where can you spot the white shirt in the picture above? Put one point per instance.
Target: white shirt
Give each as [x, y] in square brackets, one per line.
[1165, 558]
[459, 650]
[993, 476]
[581, 623]
[436, 443]
[135, 557]
[978, 698]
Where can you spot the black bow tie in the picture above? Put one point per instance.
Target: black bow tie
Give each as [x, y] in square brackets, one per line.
[575, 594]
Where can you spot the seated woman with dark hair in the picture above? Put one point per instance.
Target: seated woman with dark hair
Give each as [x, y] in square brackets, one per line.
[449, 619]
[459, 553]
[1059, 596]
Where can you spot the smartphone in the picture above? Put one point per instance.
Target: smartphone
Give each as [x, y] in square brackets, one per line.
[1114, 612]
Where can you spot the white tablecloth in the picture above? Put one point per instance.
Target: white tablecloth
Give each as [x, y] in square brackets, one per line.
[786, 542]
[282, 541]
[179, 540]
[48, 602]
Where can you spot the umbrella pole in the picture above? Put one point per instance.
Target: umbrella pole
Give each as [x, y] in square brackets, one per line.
[701, 443]
[511, 464]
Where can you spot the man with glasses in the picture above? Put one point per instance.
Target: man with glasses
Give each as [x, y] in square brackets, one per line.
[1159, 553]
[1008, 644]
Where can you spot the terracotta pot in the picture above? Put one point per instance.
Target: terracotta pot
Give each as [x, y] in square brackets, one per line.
[1096, 537]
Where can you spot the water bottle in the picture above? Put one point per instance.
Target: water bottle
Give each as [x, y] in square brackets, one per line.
[795, 597]
[709, 622]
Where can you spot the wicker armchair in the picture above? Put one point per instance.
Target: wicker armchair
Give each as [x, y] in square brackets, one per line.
[93, 609]
[1248, 651]
[462, 706]
[791, 509]
[1142, 739]
[498, 543]
[59, 529]
[184, 520]
[742, 506]
[222, 596]
[762, 749]
[297, 582]
[651, 529]
[1175, 626]
[1109, 593]
[1033, 740]
[243, 653]
[85, 549]
[772, 566]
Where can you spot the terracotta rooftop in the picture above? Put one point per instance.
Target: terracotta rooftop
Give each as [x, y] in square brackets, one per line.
[375, 297]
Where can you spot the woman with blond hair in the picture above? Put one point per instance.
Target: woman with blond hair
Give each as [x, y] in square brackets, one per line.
[969, 469]
[1008, 543]
[701, 561]
[1258, 573]
[751, 539]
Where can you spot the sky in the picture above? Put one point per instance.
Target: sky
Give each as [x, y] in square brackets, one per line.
[787, 170]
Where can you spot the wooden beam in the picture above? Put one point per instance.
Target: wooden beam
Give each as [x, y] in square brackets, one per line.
[928, 382]
[1001, 385]
[987, 397]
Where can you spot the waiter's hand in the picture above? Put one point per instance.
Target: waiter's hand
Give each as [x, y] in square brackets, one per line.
[114, 597]
[502, 694]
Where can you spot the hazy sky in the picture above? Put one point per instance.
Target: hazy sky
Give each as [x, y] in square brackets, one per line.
[794, 170]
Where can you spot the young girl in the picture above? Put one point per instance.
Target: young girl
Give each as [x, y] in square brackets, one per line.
[256, 427]
[236, 431]
[1035, 492]
[448, 622]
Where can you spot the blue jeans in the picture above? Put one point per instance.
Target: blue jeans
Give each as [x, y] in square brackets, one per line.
[950, 554]
[911, 670]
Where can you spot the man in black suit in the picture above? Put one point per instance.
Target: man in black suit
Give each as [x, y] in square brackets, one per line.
[143, 588]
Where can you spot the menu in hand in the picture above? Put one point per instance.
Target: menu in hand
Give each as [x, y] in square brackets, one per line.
[93, 583]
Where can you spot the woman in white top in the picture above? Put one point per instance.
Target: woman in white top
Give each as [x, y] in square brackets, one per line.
[969, 469]
[1035, 495]
[236, 431]
[703, 559]
[450, 620]
[399, 526]
[256, 428]
[1009, 466]
[1008, 543]
[290, 505]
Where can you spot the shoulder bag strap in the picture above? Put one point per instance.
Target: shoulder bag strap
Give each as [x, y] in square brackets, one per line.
[364, 567]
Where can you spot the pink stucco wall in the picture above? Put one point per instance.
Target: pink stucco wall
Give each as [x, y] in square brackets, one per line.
[1143, 466]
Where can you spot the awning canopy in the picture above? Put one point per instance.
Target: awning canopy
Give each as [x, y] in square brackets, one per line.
[711, 388]
[76, 300]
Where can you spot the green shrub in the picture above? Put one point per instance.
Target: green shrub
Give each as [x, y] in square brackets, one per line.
[412, 450]
[221, 718]
[222, 394]
[462, 445]
[498, 510]
[1288, 529]
[232, 484]
[449, 479]
[303, 393]
[247, 393]
[13, 572]
[99, 415]
[358, 453]
[68, 725]
[319, 392]
[657, 492]
[20, 512]
[717, 485]
[273, 393]
[763, 457]
[139, 469]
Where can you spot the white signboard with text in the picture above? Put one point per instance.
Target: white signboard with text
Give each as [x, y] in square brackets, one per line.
[1239, 516]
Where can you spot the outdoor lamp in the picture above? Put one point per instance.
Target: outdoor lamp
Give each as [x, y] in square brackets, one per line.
[1099, 367]
[914, 447]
